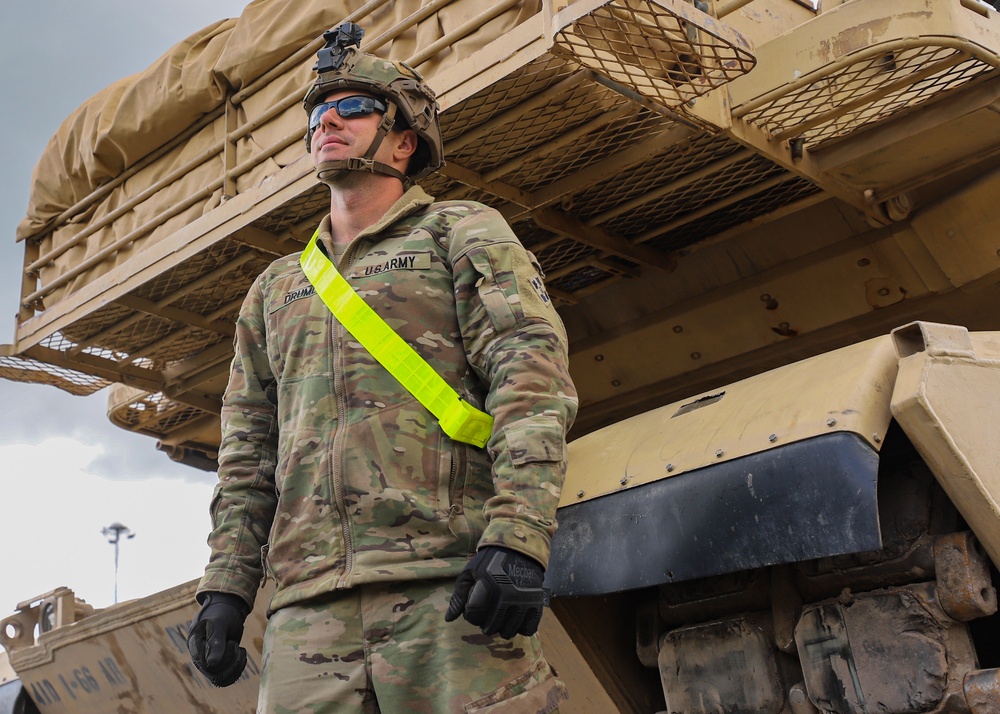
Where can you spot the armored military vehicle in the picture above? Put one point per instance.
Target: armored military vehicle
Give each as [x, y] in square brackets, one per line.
[770, 228]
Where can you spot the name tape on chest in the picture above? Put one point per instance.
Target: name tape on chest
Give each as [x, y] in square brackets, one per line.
[417, 261]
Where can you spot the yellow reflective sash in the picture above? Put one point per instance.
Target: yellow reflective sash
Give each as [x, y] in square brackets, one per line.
[459, 419]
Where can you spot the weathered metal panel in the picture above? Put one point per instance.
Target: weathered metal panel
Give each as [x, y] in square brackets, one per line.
[809, 499]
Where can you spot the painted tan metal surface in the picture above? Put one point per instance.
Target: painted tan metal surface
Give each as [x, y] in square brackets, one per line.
[777, 308]
[845, 390]
[586, 689]
[7, 673]
[969, 254]
[947, 399]
[131, 658]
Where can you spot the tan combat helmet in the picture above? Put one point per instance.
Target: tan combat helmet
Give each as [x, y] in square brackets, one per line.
[341, 65]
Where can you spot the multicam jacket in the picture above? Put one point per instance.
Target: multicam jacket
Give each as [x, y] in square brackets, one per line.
[331, 474]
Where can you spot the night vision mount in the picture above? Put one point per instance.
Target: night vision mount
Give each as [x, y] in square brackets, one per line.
[338, 41]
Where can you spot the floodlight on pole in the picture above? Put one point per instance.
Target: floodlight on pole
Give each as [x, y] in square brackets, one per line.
[114, 534]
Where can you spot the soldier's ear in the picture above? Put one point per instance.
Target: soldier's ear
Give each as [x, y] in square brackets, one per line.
[404, 144]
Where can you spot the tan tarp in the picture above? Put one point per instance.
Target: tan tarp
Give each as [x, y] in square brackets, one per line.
[125, 122]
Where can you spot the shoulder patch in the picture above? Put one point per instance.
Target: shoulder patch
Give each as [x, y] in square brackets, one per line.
[539, 286]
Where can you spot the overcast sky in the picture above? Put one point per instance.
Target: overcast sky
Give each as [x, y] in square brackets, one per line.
[65, 471]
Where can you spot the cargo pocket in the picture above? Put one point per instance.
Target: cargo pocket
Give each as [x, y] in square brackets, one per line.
[525, 695]
[537, 439]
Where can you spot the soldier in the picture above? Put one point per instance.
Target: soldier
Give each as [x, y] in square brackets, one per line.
[406, 531]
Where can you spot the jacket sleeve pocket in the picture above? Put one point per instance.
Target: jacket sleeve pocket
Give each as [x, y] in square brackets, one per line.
[537, 439]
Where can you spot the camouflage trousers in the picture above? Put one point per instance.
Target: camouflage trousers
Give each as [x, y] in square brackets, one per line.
[386, 649]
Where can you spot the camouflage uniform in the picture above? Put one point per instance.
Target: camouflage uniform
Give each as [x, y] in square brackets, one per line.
[335, 474]
[385, 647]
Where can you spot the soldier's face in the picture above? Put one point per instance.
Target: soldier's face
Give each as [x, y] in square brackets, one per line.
[338, 138]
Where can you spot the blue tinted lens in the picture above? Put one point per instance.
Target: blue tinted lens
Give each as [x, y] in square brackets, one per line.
[347, 108]
[350, 107]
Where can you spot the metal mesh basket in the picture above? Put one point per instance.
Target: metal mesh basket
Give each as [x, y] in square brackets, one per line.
[154, 413]
[664, 50]
[20, 368]
[866, 88]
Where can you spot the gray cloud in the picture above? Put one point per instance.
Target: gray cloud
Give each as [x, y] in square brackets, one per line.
[33, 413]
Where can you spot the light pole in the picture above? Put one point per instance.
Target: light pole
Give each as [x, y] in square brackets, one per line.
[114, 534]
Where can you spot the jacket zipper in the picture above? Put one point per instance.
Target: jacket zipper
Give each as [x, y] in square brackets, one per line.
[337, 481]
[453, 474]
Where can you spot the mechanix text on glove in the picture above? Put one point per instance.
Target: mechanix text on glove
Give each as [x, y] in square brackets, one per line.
[500, 591]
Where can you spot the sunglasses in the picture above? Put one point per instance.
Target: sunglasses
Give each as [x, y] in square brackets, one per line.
[347, 108]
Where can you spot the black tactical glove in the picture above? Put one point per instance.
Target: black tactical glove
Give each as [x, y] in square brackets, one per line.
[506, 593]
[214, 639]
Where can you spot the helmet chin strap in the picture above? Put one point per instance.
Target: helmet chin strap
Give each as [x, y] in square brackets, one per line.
[329, 171]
